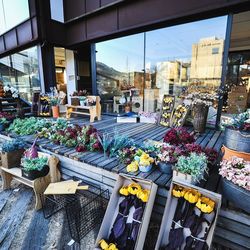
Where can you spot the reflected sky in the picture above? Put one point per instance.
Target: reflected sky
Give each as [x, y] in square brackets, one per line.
[126, 54]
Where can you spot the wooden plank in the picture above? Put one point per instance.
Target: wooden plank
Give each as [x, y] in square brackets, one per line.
[4, 196]
[227, 244]
[155, 175]
[213, 139]
[207, 138]
[35, 237]
[163, 179]
[13, 219]
[236, 216]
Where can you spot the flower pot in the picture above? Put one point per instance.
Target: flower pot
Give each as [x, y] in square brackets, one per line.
[228, 153]
[12, 159]
[237, 140]
[236, 194]
[165, 167]
[34, 174]
[55, 111]
[183, 177]
[145, 169]
[200, 112]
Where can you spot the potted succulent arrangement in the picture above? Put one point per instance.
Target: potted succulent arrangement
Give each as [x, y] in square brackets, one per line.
[11, 154]
[236, 181]
[55, 101]
[33, 166]
[191, 168]
[237, 132]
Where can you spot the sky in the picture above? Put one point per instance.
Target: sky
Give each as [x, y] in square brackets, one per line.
[126, 53]
[15, 11]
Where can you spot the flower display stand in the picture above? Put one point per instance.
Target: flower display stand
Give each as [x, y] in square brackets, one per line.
[94, 111]
[39, 185]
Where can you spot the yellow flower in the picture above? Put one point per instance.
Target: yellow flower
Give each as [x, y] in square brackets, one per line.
[112, 247]
[134, 188]
[124, 191]
[143, 195]
[192, 196]
[103, 244]
[205, 205]
[178, 191]
[133, 166]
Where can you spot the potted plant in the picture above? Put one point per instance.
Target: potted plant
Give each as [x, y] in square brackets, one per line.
[200, 106]
[55, 101]
[237, 132]
[33, 168]
[166, 158]
[11, 154]
[235, 183]
[191, 168]
[82, 100]
[145, 162]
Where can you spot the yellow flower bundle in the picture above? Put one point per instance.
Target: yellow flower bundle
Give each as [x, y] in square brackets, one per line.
[105, 246]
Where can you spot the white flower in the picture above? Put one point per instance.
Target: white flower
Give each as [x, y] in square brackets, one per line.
[6, 88]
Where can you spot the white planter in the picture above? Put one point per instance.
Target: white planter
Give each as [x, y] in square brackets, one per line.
[182, 177]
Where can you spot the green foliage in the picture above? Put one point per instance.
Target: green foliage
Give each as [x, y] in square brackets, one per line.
[12, 145]
[28, 126]
[34, 163]
[194, 164]
[4, 121]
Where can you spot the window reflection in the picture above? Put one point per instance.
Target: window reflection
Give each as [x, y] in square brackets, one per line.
[178, 60]
[11, 16]
[21, 70]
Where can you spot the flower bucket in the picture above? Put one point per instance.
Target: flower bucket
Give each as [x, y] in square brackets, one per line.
[228, 153]
[12, 159]
[82, 103]
[165, 167]
[200, 112]
[55, 111]
[183, 177]
[237, 195]
[34, 174]
[145, 169]
[237, 140]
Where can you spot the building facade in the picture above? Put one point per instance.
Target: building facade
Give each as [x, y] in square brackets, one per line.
[115, 48]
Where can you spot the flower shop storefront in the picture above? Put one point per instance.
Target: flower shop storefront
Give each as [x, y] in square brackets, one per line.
[84, 160]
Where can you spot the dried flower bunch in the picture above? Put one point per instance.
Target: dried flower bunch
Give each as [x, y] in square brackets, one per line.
[237, 171]
[207, 99]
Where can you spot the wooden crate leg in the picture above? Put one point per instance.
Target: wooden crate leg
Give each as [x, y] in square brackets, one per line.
[68, 112]
[92, 112]
[7, 178]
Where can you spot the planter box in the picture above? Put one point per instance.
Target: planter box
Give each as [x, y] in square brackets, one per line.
[75, 101]
[178, 176]
[237, 140]
[170, 209]
[12, 159]
[112, 210]
[236, 194]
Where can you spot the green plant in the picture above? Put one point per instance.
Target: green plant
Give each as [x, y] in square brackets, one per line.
[12, 145]
[105, 141]
[54, 101]
[28, 126]
[30, 164]
[194, 165]
[3, 121]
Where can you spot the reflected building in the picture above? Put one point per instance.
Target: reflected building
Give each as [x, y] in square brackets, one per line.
[206, 61]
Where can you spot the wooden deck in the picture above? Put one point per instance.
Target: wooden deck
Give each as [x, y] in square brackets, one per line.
[232, 230]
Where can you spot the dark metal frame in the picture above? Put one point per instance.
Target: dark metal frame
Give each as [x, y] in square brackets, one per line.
[224, 68]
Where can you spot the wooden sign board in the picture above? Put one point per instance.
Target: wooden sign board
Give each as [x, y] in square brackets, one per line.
[64, 187]
[179, 115]
[167, 110]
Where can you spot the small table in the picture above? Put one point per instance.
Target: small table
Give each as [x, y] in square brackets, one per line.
[39, 185]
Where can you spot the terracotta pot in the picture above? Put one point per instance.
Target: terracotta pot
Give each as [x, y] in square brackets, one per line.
[228, 153]
[55, 111]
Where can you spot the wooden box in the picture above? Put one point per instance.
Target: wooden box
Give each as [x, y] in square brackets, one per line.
[12, 159]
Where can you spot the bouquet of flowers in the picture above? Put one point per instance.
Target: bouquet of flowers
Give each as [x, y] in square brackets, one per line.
[11, 92]
[168, 154]
[178, 136]
[126, 155]
[236, 170]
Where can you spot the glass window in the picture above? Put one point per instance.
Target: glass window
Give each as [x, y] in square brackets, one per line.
[56, 10]
[12, 16]
[174, 62]
[120, 75]
[21, 70]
